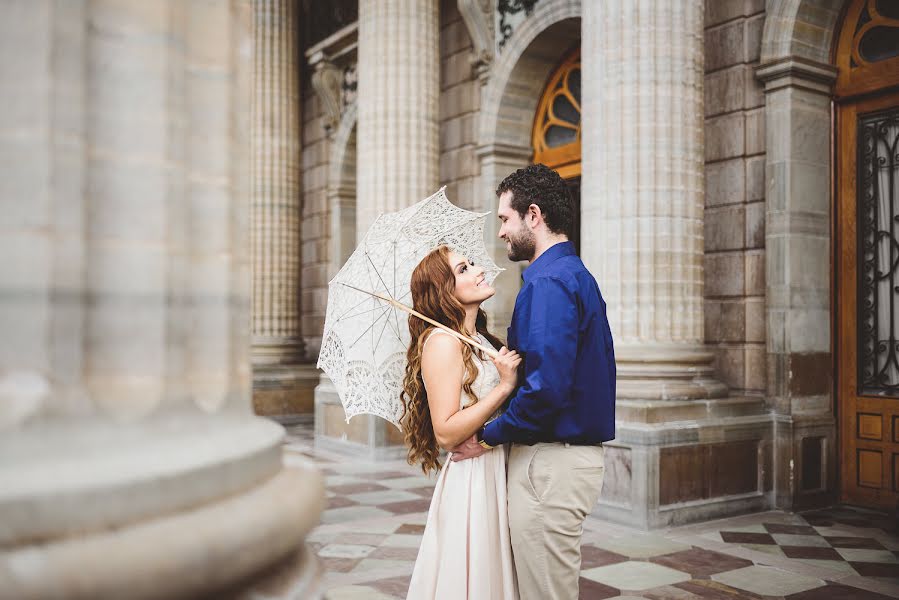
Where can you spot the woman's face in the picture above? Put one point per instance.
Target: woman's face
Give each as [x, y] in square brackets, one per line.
[471, 286]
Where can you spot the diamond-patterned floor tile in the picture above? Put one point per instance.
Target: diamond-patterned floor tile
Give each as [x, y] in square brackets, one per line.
[357, 592]
[791, 529]
[701, 563]
[706, 590]
[746, 537]
[789, 539]
[383, 497]
[593, 590]
[395, 586]
[380, 537]
[853, 542]
[409, 506]
[345, 551]
[838, 566]
[635, 575]
[811, 552]
[869, 556]
[591, 556]
[835, 591]
[641, 546]
[767, 581]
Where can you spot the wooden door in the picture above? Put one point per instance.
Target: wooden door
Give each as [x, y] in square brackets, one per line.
[868, 299]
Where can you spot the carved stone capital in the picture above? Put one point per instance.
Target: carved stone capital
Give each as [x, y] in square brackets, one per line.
[478, 18]
[327, 80]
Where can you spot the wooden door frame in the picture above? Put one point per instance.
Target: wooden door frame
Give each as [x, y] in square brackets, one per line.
[845, 271]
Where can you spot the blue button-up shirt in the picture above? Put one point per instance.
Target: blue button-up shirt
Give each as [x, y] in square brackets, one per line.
[560, 327]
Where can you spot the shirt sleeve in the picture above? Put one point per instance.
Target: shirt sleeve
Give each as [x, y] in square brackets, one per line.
[550, 350]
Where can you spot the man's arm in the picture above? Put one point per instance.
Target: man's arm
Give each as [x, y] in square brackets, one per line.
[549, 362]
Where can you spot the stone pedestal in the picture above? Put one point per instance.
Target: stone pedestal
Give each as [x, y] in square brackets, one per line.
[396, 166]
[131, 465]
[683, 450]
[282, 388]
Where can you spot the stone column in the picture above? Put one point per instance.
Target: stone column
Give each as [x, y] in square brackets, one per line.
[396, 165]
[282, 384]
[643, 190]
[127, 301]
[683, 451]
[399, 83]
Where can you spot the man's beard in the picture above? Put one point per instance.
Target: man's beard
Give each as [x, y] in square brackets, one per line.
[522, 245]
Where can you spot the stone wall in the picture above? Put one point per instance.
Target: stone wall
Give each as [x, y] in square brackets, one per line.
[314, 232]
[735, 198]
[459, 105]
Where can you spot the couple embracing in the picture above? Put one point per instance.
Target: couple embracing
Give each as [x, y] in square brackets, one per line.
[524, 431]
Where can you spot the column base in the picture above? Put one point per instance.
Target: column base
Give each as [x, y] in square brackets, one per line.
[284, 393]
[364, 436]
[666, 372]
[180, 505]
[676, 462]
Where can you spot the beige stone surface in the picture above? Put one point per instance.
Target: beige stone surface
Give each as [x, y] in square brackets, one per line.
[399, 83]
[131, 463]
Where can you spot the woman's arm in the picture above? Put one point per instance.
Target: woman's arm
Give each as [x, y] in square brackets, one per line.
[443, 371]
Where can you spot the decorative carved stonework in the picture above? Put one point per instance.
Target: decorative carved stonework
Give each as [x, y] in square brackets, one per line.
[333, 64]
[327, 80]
[350, 80]
[478, 17]
[509, 17]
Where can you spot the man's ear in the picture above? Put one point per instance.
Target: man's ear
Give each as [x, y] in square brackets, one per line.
[535, 214]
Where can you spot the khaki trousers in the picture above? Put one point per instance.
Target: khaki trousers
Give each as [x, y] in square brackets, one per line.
[552, 489]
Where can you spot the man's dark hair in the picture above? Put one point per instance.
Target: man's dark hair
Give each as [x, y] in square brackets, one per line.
[540, 185]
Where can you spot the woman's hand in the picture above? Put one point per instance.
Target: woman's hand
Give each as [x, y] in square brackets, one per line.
[507, 364]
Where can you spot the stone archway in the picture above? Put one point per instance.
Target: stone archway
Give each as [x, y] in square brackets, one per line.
[508, 102]
[798, 76]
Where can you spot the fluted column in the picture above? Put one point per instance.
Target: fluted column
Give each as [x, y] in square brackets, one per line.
[130, 462]
[643, 190]
[283, 381]
[399, 82]
[276, 143]
[396, 165]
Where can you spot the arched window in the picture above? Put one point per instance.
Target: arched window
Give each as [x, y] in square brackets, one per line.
[556, 136]
[868, 48]
[557, 126]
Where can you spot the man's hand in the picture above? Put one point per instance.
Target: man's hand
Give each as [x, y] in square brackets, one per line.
[470, 448]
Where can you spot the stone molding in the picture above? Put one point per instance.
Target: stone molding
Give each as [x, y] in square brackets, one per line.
[800, 28]
[478, 18]
[795, 71]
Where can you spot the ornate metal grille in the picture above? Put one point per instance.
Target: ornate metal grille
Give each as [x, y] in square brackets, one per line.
[878, 253]
[507, 8]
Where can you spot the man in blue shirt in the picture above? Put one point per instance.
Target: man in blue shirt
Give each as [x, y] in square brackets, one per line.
[565, 406]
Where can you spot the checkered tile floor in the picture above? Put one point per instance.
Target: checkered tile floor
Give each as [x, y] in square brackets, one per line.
[371, 530]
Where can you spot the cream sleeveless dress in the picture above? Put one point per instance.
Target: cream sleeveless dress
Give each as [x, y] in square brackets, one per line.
[466, 552]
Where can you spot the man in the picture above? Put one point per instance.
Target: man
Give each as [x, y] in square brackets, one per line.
[565, 406]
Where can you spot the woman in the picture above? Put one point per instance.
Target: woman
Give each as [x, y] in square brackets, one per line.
[449, 391]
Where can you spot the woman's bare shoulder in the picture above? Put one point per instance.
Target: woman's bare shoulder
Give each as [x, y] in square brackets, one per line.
[441, 346]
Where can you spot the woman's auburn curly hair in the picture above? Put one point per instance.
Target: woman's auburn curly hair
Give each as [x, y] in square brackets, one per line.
[432, 286]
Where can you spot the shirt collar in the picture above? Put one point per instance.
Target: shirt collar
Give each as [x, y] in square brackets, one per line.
[543, 261]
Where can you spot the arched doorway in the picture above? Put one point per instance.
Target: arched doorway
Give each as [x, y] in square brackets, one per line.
[556, 137]
[867, 187]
